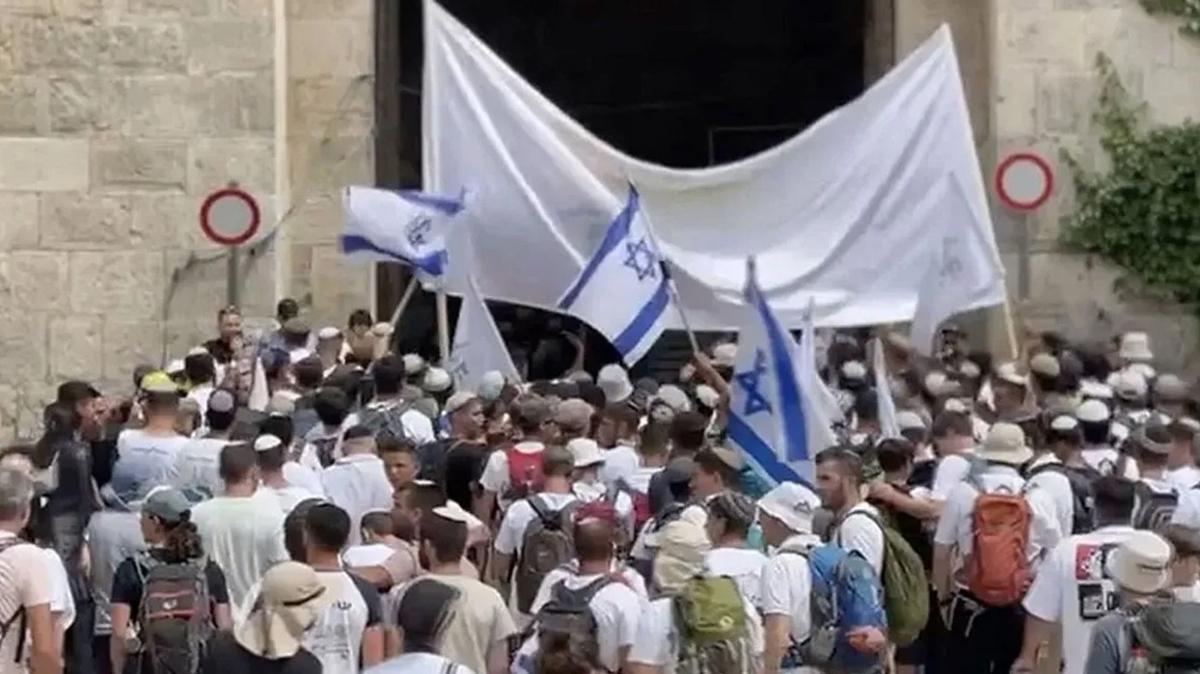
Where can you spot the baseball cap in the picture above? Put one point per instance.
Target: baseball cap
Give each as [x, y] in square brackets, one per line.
[436, 380]
[221, 401]
[167, 504]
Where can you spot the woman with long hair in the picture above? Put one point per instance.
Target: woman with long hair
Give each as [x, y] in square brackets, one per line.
[172, 540]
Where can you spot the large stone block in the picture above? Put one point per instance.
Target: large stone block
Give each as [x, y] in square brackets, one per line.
[19, 110]
[1044, 37]
[77, 347]
[1065, 102]
[128, 344]
[171, 8]
[139, 164]
[315, 218]
[33, 281]
[202, 286]
[331, 9]
[220, 46]
[43, 164]
[162, 105]
[1016, 102]
[236, 104]
[1174, 94]
[216, 162]
[184, 333]
[330, 163]
[23, 343]
[244, 8]
[18, 220]
[320, 105]
[1129, 36]
[125, 283]
[71, 220]
[144, 47]
[62, 44]
[339, 286]
[172, 219]
[88, 103]
[335, 47]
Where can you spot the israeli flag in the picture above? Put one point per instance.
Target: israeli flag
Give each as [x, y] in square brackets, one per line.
[775, 418]
[622, 291]
[478, 346]
[398, 226]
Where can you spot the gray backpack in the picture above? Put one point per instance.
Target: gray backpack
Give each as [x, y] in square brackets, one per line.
[548, 543]
[1163, 638]
[176, 616]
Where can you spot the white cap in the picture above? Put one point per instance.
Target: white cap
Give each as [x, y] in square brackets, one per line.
[1129, 384]
[708, 396]
[1045, 365]
[1169, 387]
[1092, 411]
[792, 504]
[197, 351]
[453, 512]
[1135, 346]
[853, 369]
[1141, 563]
[957, 406]
[724, 354]
[491, 385]
[1064, 422]
[585, 451]
[266, 442]
[1007, 372]
[459, 400]
[672, 396]
[1005, 443]
[1090, 388]
[614, 381]
[412, 363]
[436, 380]
[908, 420]
[329, 332]
[174, 366]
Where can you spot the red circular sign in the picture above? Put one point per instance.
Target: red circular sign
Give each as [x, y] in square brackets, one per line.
[1024, 181]
[229, 216]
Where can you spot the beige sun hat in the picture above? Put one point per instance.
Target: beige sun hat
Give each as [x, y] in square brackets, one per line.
[1005, 443]
[292, 598]
[1142, 563]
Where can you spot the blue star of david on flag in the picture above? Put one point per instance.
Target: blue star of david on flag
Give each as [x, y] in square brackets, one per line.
[641, 259]
[398, 226]
[418, 229]
[755, 400]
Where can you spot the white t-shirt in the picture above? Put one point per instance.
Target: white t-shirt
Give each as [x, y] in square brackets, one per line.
[620, 462]
[336, 637]
[298, 475]
[495, 476]
[243, 535]
[862, 534]
[197, 465]
[658, 636]
[144, 461]
[1058, 489]
[950, 471]
[289, 497]
[787, 586]
[1106, 459]
[1072, 588]
[358, 484]
[201, 394]
[588, 493]
[62, 604]
[24, 581]
[371, 554]
[419, 663]
[743, 565]
[1187, 512]
[639, 479]
[519, 515]
[616, 608]
[1184, 477]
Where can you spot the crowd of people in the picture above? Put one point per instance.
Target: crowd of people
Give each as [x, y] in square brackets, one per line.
[303, 502]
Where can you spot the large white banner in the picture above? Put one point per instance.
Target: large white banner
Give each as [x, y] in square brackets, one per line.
[831, 214]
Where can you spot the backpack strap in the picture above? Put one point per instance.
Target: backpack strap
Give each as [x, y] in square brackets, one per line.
[19, 616]
[542, 511]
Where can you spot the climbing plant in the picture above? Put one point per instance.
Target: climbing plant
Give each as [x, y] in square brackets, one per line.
[1143, 213]
[1188, 9]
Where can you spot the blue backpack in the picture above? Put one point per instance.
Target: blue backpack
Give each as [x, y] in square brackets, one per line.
[846, 594]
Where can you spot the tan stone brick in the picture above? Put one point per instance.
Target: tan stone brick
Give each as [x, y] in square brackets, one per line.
[336, 47]
[330, 9]
[339, 285]
[1174, 94]
[1016, 102]
[185, 333]
[1045, 37]
[315, 219]
[23, 343]
[172, 219]
[319, 105]
[126, 283]
[76, 347]
[70, 220]
[145, 47]
[202, 289]
[327, 164]
[128, 344]
[161, 105]
[18, 105]
[88, 103]
[143, 164]
[62, 44]
[1065, 102]
[33, 281]
[219, 46]
[13, 59]
[1129, 36]
[215, 162]
[244, 8]
[18, 220]
[171, 8]
[237, 104]
[43, 164]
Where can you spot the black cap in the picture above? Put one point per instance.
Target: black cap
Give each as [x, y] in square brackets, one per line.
[679, 470]
[74, 391]
[358, 431]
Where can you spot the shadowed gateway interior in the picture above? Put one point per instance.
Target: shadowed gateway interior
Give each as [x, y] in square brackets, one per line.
[683, 83]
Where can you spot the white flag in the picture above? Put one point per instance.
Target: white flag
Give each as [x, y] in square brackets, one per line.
[772, 416]
[824, 404]
[888, 427]
[398, 226]
[962, 265]
[622, 291]
[478, 347]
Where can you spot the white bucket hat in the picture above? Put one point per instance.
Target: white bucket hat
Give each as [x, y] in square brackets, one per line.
[614, 381]
[291, 600]
[585, 451]
[1142, 563]
[1005, 443]
[792, 504]
[1135, 347]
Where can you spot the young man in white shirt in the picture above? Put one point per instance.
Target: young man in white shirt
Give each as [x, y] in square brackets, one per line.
[357, 481]
[1072, 587]
[857, 527]
[146, 455]
[954, 440]
[1095, 420]
[730, 516]
[617, 435]
[1182, 472]
[26, 584]
[614, 604]
[1048, 469]
[389, 377]
[986, 638]
[242, 529]
[196, 464]
[531, 416]
[272, 459]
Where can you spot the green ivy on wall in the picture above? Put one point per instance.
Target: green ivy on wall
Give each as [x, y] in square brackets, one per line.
[1143, 213]
[1188, 9]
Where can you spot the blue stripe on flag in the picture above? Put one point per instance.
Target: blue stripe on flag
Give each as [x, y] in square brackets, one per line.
[790, 403]
[741, 434]
[617, 232]
[355, 243]
[441, 204]
[645, 320]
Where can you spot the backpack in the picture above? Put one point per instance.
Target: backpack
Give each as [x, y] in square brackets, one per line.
[641, 504]
[385, 420]
[905, 586]
[18, 618]
[1083, 512]
[547, 544]
[524, 473]
[845, 594]
[1154, 509]
[645, 565]
[175, 618]
[1162, 638]
[569, 611]
[710, 616]
[997, 570]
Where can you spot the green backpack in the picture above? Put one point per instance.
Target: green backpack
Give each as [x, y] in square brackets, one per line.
[711, 618]
[905, 586]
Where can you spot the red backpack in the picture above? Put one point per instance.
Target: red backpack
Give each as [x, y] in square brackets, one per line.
[997, 570]
[524, 473]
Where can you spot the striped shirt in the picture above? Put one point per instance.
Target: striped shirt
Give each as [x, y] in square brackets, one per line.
[24, 581]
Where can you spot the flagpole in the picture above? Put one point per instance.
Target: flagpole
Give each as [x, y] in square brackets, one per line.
[665, 266]
[443, 322]
[409, 291]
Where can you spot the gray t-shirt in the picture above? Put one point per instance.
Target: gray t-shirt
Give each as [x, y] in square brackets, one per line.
[113, 536]
[1106, 652]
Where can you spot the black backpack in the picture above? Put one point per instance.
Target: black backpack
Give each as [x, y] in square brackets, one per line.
[1154, 509]
[569, 611]
[175, 617]
[1083, 512]
[18, 618]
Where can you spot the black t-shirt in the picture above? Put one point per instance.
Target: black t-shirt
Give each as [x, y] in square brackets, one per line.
[226, 656]
[128, 583]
